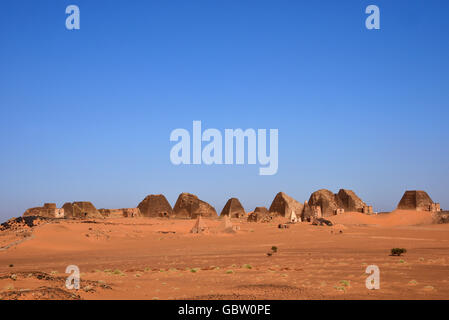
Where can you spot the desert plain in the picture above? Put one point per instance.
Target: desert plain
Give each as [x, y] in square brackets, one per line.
[159, 258]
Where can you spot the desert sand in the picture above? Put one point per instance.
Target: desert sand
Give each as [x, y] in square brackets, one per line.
[158, 258]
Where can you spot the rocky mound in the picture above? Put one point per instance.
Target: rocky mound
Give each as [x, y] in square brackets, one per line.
[155, 206]
[350, 201]
[81, 210]
[190, 206]
[233, 209]
[284, 205]
[415, 200]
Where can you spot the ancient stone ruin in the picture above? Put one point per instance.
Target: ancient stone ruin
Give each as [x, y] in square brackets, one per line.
[332, 204]
[326, 200]
[155, 206]
[368, 209]
[111, 213]
[349, 201]
[227, 226]
[233, 208]
[189, 206]
[131, 213]
[120, 213]
[49, 210]
[293, 218]
[260, 214]
[200, 226]
[309, 212]
[285, 205]
[418, 200]
[81, 210]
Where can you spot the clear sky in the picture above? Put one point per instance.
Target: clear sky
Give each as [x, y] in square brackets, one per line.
[86, 115]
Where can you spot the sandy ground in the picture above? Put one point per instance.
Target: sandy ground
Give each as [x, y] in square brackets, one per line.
[144, 258]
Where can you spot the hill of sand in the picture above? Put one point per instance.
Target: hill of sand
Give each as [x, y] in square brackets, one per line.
[395, 218]
[156, 258]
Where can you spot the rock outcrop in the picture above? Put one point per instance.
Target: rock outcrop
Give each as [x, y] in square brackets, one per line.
[81, 210]
[190, 206]
[416, 200]
[49, 210]
[233, 209]
[155, 206]
[284, 205]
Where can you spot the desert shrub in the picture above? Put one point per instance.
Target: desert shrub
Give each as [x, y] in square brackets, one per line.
[274, 249]
[118, 272]
[247, 266]
[398, 251]
[345, 283]
[229, 271]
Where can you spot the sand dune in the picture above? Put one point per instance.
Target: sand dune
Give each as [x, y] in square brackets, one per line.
[155, 258]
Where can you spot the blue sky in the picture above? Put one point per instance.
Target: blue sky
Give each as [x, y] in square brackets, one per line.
[87, 114]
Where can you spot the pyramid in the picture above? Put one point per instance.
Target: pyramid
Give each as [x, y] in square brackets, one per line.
[326, 200]
[233, 209]
[350, 201]
[284, 205]
[226, 225]
[189, 206]
[293, 217]
[415, 200]
[155, 205]
[200, 226]
[81, 210]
